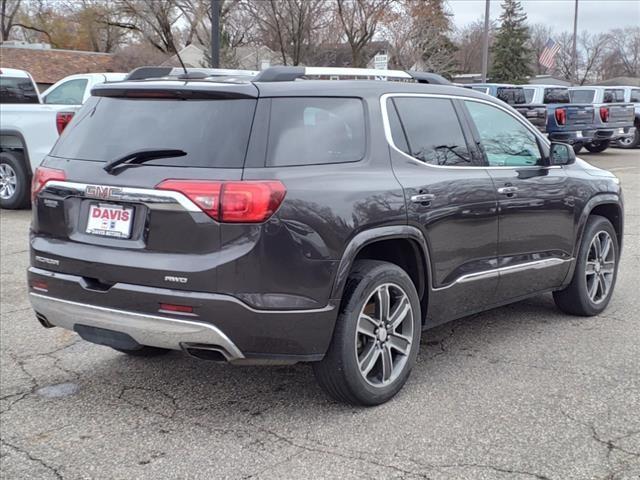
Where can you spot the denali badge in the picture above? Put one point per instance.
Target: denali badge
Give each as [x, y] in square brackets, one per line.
[104, 193]
[48, 261]
[170, 278]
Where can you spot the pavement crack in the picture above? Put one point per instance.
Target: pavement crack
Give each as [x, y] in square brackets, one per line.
[30, 456]
[146, 408]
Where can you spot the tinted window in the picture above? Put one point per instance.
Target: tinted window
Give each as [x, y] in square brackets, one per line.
[311, 131]
[505, 141]
[214, 133]
[614, 95]
[556, 95]
[528, 94]
[635, 96]
[67, 93]
[511, 95]
[433, 131]
[581, 96]
[17, 90]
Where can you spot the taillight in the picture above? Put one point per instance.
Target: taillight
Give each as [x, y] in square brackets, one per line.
[604, 114]
[62, 120]
[561, 116]
[232, 202]
[42, 176]
[170, 307]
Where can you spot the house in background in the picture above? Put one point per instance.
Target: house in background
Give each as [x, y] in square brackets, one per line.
[548, 80]
[48, 65]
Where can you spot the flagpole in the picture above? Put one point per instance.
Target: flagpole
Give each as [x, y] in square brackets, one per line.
[575, 44]
[485, 40]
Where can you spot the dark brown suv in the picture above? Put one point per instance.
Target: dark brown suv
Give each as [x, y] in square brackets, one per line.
[281, 219]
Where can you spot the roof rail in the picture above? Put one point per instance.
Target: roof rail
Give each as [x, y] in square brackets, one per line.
[286, 74]
[142, 73]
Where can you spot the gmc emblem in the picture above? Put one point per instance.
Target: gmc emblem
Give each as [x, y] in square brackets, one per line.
[104, 193]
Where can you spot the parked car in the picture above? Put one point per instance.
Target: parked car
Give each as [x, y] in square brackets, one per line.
[286, 219]
[613, 120]
[632, 95]
[572, 124]
[17, 86]
[29, 130]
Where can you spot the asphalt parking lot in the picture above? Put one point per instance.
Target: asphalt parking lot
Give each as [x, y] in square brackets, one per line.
[520, 392]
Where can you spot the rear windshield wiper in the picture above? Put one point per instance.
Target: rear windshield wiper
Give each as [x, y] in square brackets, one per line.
[142, 156]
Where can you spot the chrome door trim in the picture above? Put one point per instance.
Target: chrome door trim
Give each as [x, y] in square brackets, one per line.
[493, 273]
[154, 199]
[387, 130]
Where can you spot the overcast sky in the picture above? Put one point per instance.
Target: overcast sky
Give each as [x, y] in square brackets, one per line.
[593, 15]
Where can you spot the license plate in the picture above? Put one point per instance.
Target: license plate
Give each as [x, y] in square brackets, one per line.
[110, 220]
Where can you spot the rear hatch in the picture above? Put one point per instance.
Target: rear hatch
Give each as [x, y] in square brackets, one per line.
[125, 224]
[571, 117]
[617, 115]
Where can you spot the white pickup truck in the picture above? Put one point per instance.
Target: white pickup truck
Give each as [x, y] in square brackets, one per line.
[31, 123]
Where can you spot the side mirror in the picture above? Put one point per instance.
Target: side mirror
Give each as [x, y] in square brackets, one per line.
[561, 154]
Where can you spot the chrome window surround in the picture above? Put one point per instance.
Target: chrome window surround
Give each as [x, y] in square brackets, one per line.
[154, 199]
[387, 129]
[522, 267]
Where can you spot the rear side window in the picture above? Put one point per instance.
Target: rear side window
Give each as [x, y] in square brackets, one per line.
[433, 131]
[635, 96]
[315, 130]
[17, 90]
[511, 95]
[581, 96]
[556, 95]
[613, 95]
[67, 93]
[213, 133]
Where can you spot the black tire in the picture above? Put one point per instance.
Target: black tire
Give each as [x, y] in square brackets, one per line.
[577, 148]
[20, 198]
[632, 143]
[597, 147]
[339, 372]
[144, 351]
[575, 298]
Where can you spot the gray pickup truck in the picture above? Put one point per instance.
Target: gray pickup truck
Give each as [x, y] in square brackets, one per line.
[614, 119]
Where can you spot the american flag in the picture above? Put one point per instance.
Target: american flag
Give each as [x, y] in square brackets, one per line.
[548, 56]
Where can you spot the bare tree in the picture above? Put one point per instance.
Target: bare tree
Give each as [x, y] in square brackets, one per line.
[624, 51]
[8, 11]
[155, 21]
[591, 49]
[360, 20]
[469, 42]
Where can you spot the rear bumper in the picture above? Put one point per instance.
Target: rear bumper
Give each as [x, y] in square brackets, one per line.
[220, 322]
[623, 132]
[580, 136]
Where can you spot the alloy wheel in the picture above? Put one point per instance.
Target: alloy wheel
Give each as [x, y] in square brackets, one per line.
[384, 335]
[601, 266]
[8, 181]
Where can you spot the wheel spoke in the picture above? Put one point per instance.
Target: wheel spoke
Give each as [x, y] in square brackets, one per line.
[400, 343]
[399, 314]
[387, 364]
[591, 268]
[598, 246]
[369, 358]
[608, 267]
[383, 302]
[606, 247]
[605, 283]
[594, 287]
[367, 325]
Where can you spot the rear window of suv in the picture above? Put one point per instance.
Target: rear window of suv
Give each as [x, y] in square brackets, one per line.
[213, 133]
[315, 130]
[556, 95]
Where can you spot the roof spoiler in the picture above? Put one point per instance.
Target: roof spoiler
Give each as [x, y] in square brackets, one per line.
[144, 73]
[287, 74]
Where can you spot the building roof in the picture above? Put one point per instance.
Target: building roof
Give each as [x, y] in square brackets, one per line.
[631, 81]
[50, 65]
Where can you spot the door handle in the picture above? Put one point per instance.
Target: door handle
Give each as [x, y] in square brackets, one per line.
[423, 198]
[507, 190]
